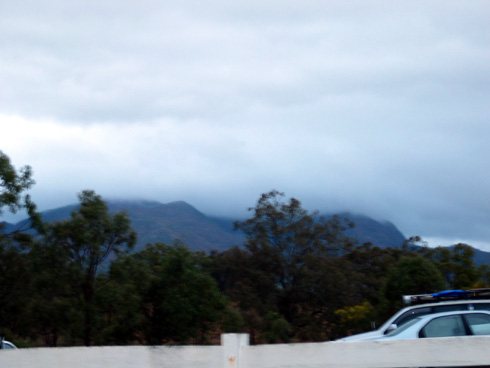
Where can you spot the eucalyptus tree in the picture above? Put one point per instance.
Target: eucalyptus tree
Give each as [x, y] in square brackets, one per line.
[163, 294]
[412, 274]
[14, 276]
[13, 197]
[298, 255]
[456, 263]
[13, 184]
[286, 233]
[90, 238]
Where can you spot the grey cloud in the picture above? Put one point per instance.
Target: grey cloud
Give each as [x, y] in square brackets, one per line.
[376, 107]
[125, 62]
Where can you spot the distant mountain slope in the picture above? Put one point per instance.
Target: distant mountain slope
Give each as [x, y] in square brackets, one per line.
[156, 222]
[6, 227]
[481, 257]
[60, 213]
[380, 234]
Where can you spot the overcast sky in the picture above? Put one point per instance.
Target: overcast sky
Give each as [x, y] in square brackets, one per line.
[376, 107]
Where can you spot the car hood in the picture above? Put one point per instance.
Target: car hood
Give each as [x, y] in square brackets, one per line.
[363, 336]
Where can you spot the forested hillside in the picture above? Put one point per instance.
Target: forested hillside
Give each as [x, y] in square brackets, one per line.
[180, 221]
[166, 223]
[297, 277]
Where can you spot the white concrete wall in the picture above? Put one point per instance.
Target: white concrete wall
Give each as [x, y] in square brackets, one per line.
[441, 352]
[236, 353]
[114, 357]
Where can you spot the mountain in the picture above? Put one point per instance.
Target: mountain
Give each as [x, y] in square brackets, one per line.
[158, 222]
[481, 257]
[367, 230]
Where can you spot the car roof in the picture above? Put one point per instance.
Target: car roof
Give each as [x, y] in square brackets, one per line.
[445, 302]
[435, 304]
[447, 295]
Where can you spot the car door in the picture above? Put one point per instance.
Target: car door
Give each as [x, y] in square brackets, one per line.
[445, 326]
[478, 323]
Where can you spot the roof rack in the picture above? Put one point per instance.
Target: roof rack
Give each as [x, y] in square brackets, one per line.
[482, 293]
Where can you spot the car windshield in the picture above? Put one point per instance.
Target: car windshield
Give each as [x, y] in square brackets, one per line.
[7, 345]
[411, 314]
[403, 327]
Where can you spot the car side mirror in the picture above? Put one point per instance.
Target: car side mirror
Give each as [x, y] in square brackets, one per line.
[392, 327]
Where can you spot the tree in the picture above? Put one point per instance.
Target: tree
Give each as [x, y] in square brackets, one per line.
[355, 319]
[368, 266]
[292, 256]
[13, 185]
[55, 302]
[119, 302]
[171, 298]
[15, 291]
[287, 233]
[412, 274]
[456, 264]
[15, 278]
[245, 278]
[186, 302]
[89, 238]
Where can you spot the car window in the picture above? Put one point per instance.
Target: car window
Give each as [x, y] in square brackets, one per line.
[449, 308]
[444, 326]
[481, 306]
[479, 323]
[411, 314]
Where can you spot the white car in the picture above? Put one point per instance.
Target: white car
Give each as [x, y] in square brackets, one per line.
[462, 323]
[409, 313]
[7, 345]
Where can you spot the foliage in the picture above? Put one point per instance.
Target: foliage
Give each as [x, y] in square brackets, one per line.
[370, 266]
[276, 329]
[456, 264]
[177, 299]
[85, 241]
[355, 319]
[290, 232]
[55, 305]
[15, 280]
[298, 278]
[286, 266]
[412, 274]
[13, 185]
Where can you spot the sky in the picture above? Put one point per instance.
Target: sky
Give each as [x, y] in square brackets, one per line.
[379, 108]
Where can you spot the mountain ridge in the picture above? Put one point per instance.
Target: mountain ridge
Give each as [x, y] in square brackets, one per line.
[179, 221]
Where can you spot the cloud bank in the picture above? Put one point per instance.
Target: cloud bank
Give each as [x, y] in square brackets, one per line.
[378, 108]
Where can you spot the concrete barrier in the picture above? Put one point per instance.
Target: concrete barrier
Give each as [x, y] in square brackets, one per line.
[114, 356]
[441, 352]
[235, 352]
